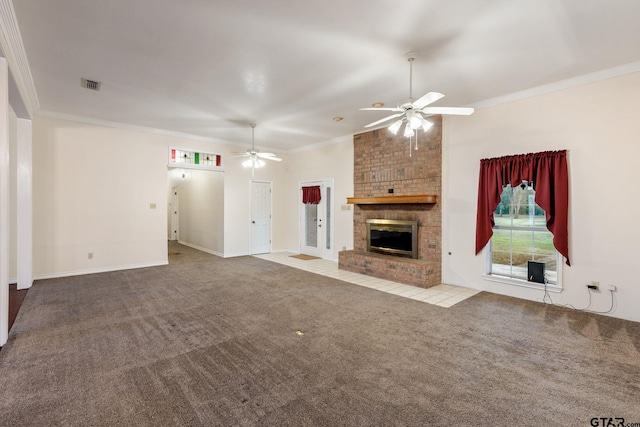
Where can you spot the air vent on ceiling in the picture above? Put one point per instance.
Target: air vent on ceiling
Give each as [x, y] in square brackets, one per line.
[91, 84]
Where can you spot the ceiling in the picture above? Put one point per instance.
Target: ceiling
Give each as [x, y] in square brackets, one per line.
[210, 67]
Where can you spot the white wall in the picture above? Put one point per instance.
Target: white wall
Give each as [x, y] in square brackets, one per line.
[329, 161]
[92, 189]
[237, 202]
[201, 209]
[93, 186]
[13, 197]
[598, 125]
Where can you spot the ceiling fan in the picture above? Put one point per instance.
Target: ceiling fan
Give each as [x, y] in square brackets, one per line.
[254, 157]
[413, 112]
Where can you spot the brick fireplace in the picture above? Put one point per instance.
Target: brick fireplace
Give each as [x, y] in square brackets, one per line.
[382, 164]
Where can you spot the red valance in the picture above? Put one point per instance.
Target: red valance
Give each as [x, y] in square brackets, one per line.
[548, 172]
[311, 195]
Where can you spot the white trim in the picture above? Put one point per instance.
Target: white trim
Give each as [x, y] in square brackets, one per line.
[209, 251]
[561, 85]
[4, 201]
[166, 132]
[236, 254]
[190, 166]
[24, 204]
[324, 183]
[13, 48]
[522, 283]
[132, 127]
[99, 270]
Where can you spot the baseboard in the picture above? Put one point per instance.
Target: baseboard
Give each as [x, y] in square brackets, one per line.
[98, 270]
[236, 254]
[209, 251]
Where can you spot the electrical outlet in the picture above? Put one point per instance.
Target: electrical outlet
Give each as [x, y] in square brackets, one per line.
[593, 285]
[90, 255]
[612, 288]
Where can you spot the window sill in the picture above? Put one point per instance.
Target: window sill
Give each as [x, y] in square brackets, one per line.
[523, 283]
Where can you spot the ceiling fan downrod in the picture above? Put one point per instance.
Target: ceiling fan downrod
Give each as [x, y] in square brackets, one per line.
[411, 56]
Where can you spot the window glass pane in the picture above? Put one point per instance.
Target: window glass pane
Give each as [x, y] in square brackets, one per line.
[311, 225]
[544, 250]
[501, 252]
[540, 218]
[522, 235]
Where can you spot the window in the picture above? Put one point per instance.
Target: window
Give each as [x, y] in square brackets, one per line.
[519, 235]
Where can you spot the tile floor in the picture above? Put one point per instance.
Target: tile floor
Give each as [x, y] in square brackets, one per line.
[442, 295]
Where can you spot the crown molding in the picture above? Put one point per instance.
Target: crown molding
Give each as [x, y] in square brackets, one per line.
[584, 79]
[131, 127]
[165, 132]
[13, 49]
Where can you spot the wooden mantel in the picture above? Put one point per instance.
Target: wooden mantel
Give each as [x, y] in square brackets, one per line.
[392, 200]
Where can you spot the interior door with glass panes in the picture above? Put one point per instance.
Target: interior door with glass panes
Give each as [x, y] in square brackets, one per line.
[316, 221]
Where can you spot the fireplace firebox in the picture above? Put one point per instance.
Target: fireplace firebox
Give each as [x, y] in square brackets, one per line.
[393, 237]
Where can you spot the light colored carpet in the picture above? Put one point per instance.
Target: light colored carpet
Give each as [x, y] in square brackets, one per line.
[207, 341]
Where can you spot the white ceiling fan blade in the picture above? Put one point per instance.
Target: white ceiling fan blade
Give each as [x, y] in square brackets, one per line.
[381, 109]
[269, 156]
[377, 122]
[239, 155]
[427, 99]
[458, 111]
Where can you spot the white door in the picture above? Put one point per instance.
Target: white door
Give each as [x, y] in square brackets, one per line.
[175, 234]
[316, 221]
[260, 217]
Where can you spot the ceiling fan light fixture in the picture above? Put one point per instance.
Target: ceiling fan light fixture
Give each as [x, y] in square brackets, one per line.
[253, 162]
[415, 121]
[412, 112]
[426, 125]
[395, 127]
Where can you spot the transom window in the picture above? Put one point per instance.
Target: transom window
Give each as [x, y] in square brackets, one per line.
[519, 235]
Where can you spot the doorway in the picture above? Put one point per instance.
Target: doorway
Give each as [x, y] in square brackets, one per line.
[316, 220]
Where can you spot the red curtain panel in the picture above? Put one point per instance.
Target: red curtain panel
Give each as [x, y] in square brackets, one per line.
[311, 195]
[548, 172]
